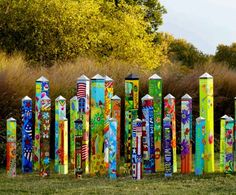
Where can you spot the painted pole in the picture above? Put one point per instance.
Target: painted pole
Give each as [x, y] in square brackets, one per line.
[169, 111]
[235, 133]
[97, 125]
[222, 142]
[11, 147]
[107, 110]
[63, 146]
[199, 145]
[148, 116]
[131, 103]
[78, 146]
[112, 148]
[229, 146]
[144, 141]
[60, 114]
[42, 90]
[207, 112]
[186, 132]
[73, 117]
[83, 95]
[168, 150]
[45, 136]
[27, 139]
[137, 129]
[155, 90]
[116, 114]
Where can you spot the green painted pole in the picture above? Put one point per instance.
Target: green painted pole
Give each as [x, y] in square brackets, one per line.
[222, 142]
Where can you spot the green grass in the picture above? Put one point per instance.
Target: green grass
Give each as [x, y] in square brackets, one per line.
[150, 184]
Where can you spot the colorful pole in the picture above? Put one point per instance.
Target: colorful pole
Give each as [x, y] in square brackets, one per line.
[222, 142]
[168, 150]
[83, 95]
[229, 146]
[73, 117]
[11, 147]
[131, 103]
[207, 112]
[45, 136]
[186, 132]
[78, 146]
[63, 146]
[199, 145]
[235, 133]
[137, 149]
[116, 114]
[148, 116]
[60, 114]
[112, 148]
[155, 90]
[42, 90]
[169, 111]
[97, 125]
[27, 139]
[144, 142]
[107, 110]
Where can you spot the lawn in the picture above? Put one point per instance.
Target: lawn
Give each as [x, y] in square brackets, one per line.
[150, 184]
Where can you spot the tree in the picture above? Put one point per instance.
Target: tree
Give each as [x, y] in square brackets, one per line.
[226, 54]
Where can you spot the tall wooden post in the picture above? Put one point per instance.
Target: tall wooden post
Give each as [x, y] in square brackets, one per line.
[83, 95]
[112, 170]
[27, 139]
[116, 114]
[207, 112]
[155, 90]
[45, 136]
[42, 90]
[229, 146]
[199, 145]
[222, 142]
[186, 132]
[78, 146]
[73, 117]
[169, 111]
[60, 114]
[168, 150]
[97, 125]
[107, 110]
[148, 116]
[131, 104]
[11, 147]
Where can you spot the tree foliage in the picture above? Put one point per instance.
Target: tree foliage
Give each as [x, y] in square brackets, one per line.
[49, 30]
[226, 54]
[186, 53]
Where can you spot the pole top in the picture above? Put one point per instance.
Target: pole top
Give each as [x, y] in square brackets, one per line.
[147, 97]
[45, 98]
[166, 119]
[132, 77]
[225, 117]
[26, 98]
[169, 96]
[206, 76]
[42, 79]
[64, 119]
[74, 98]
[60, 98]
[78, 121]
[83, 78]
[229, 119]
[155, 77]
[98, 77]
[115, 97]
[11, 120]
[112, 119]
[137, 120]
[200, 119]
[187, 97]
[107, 78]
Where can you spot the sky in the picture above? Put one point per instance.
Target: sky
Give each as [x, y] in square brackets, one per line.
[205, 23]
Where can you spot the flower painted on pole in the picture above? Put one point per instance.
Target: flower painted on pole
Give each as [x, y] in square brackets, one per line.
[185, 116]
[211, 139]
[184, 148]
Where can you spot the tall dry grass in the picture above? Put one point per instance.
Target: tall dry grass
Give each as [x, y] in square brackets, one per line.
[17, 79]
